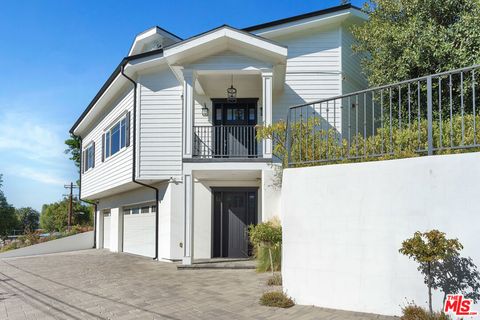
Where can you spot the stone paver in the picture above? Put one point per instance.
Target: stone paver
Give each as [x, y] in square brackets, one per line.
[95, 284]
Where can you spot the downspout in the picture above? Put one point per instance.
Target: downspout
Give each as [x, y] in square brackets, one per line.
[87, 201]
[134, 147]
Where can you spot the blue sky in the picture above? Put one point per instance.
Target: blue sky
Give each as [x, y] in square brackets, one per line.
[55, 55]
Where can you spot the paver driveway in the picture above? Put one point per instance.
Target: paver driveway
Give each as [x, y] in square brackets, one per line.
[95, 284]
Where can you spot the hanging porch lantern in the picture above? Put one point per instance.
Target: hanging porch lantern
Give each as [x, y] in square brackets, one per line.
[232, 93]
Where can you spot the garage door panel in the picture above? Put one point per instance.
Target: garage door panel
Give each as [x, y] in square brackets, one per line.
[106, 232]
[139, 234]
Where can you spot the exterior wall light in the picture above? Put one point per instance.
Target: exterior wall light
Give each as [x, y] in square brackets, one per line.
[205, 110]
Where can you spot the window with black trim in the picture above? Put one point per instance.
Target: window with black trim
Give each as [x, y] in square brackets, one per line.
[89, 157]
[117, 137]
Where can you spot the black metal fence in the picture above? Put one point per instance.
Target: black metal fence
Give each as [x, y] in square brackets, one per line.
[429, 115]
[232, 141]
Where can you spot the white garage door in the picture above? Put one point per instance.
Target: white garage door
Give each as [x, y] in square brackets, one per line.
[106, 229]
[139, 230]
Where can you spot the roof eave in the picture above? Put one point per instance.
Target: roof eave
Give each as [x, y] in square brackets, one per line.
[109, 82]
[300, 17]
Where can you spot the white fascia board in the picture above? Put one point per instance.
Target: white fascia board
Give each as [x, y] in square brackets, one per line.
[139, 40]
[107, 96]
[147, 35]
[334, 17]
[131, 69]
[227, 33]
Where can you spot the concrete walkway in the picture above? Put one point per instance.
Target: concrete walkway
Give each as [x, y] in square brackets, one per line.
[95, 284]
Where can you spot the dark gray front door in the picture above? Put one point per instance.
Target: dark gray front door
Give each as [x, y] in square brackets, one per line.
[234, 211]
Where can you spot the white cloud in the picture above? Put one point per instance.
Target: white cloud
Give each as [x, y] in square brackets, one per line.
[44, 176]
[33, 138]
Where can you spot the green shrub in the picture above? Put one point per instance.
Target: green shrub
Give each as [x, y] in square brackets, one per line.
[310, 144]
[10, 246]
[266, 238]
[276, 299]
[262, 257]
[29, 239]
[275, 280]
[413, 312]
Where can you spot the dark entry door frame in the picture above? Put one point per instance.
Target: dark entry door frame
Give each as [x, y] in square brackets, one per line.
[241, 112]
[221, 228]
[234, 127]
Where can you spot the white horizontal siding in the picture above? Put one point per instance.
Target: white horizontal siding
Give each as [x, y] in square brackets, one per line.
[117, 169]
[313, 72]
[354, 79]
[160, 126]
[228, 60]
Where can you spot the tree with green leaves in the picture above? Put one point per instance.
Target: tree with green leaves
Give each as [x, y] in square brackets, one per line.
[28, 219]
[54, 216]
[405, 39]
[8, 220]
[427, 249]
[73, 149]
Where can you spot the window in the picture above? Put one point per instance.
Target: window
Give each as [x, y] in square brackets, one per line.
[139, 209]
[89, 157]
[117, 137]
[251, 114]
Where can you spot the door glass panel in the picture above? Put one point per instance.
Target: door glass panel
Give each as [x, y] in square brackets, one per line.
[251, 114]
[229, 114]
[240, 114]
[218, 114]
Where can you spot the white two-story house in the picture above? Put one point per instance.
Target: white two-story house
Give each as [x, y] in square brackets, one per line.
[170, 153]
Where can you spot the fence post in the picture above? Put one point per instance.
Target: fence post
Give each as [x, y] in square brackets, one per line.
[429, 115]
[288, 138]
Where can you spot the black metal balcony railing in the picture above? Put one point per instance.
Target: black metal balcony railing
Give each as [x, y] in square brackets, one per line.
[232, 141]
[434, 114]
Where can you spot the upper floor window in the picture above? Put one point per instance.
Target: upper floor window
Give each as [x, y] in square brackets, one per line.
[88, 155]
[117, 137]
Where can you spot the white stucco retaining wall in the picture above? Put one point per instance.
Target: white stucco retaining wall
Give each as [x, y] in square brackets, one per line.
[343, 226]
[79, 241]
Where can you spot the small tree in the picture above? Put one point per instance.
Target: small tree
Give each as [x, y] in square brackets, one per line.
[73, 148]
[54, 216]
[8, 220]
[269, 235]
[428, 248]
[28, 219]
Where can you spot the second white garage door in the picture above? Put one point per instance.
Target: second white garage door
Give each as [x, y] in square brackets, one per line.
[139, 230]
[106, 229]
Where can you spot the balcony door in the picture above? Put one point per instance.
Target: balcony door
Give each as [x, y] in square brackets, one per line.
[234, 133]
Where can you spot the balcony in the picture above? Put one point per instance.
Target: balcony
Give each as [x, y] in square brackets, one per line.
[225, 141]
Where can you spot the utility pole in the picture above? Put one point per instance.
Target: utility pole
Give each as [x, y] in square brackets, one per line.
[70, 207]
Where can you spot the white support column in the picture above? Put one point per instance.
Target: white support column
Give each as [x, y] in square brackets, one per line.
[267, 85]
[116, 230]
[188, 216]
[188, 111]
[99, 229]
